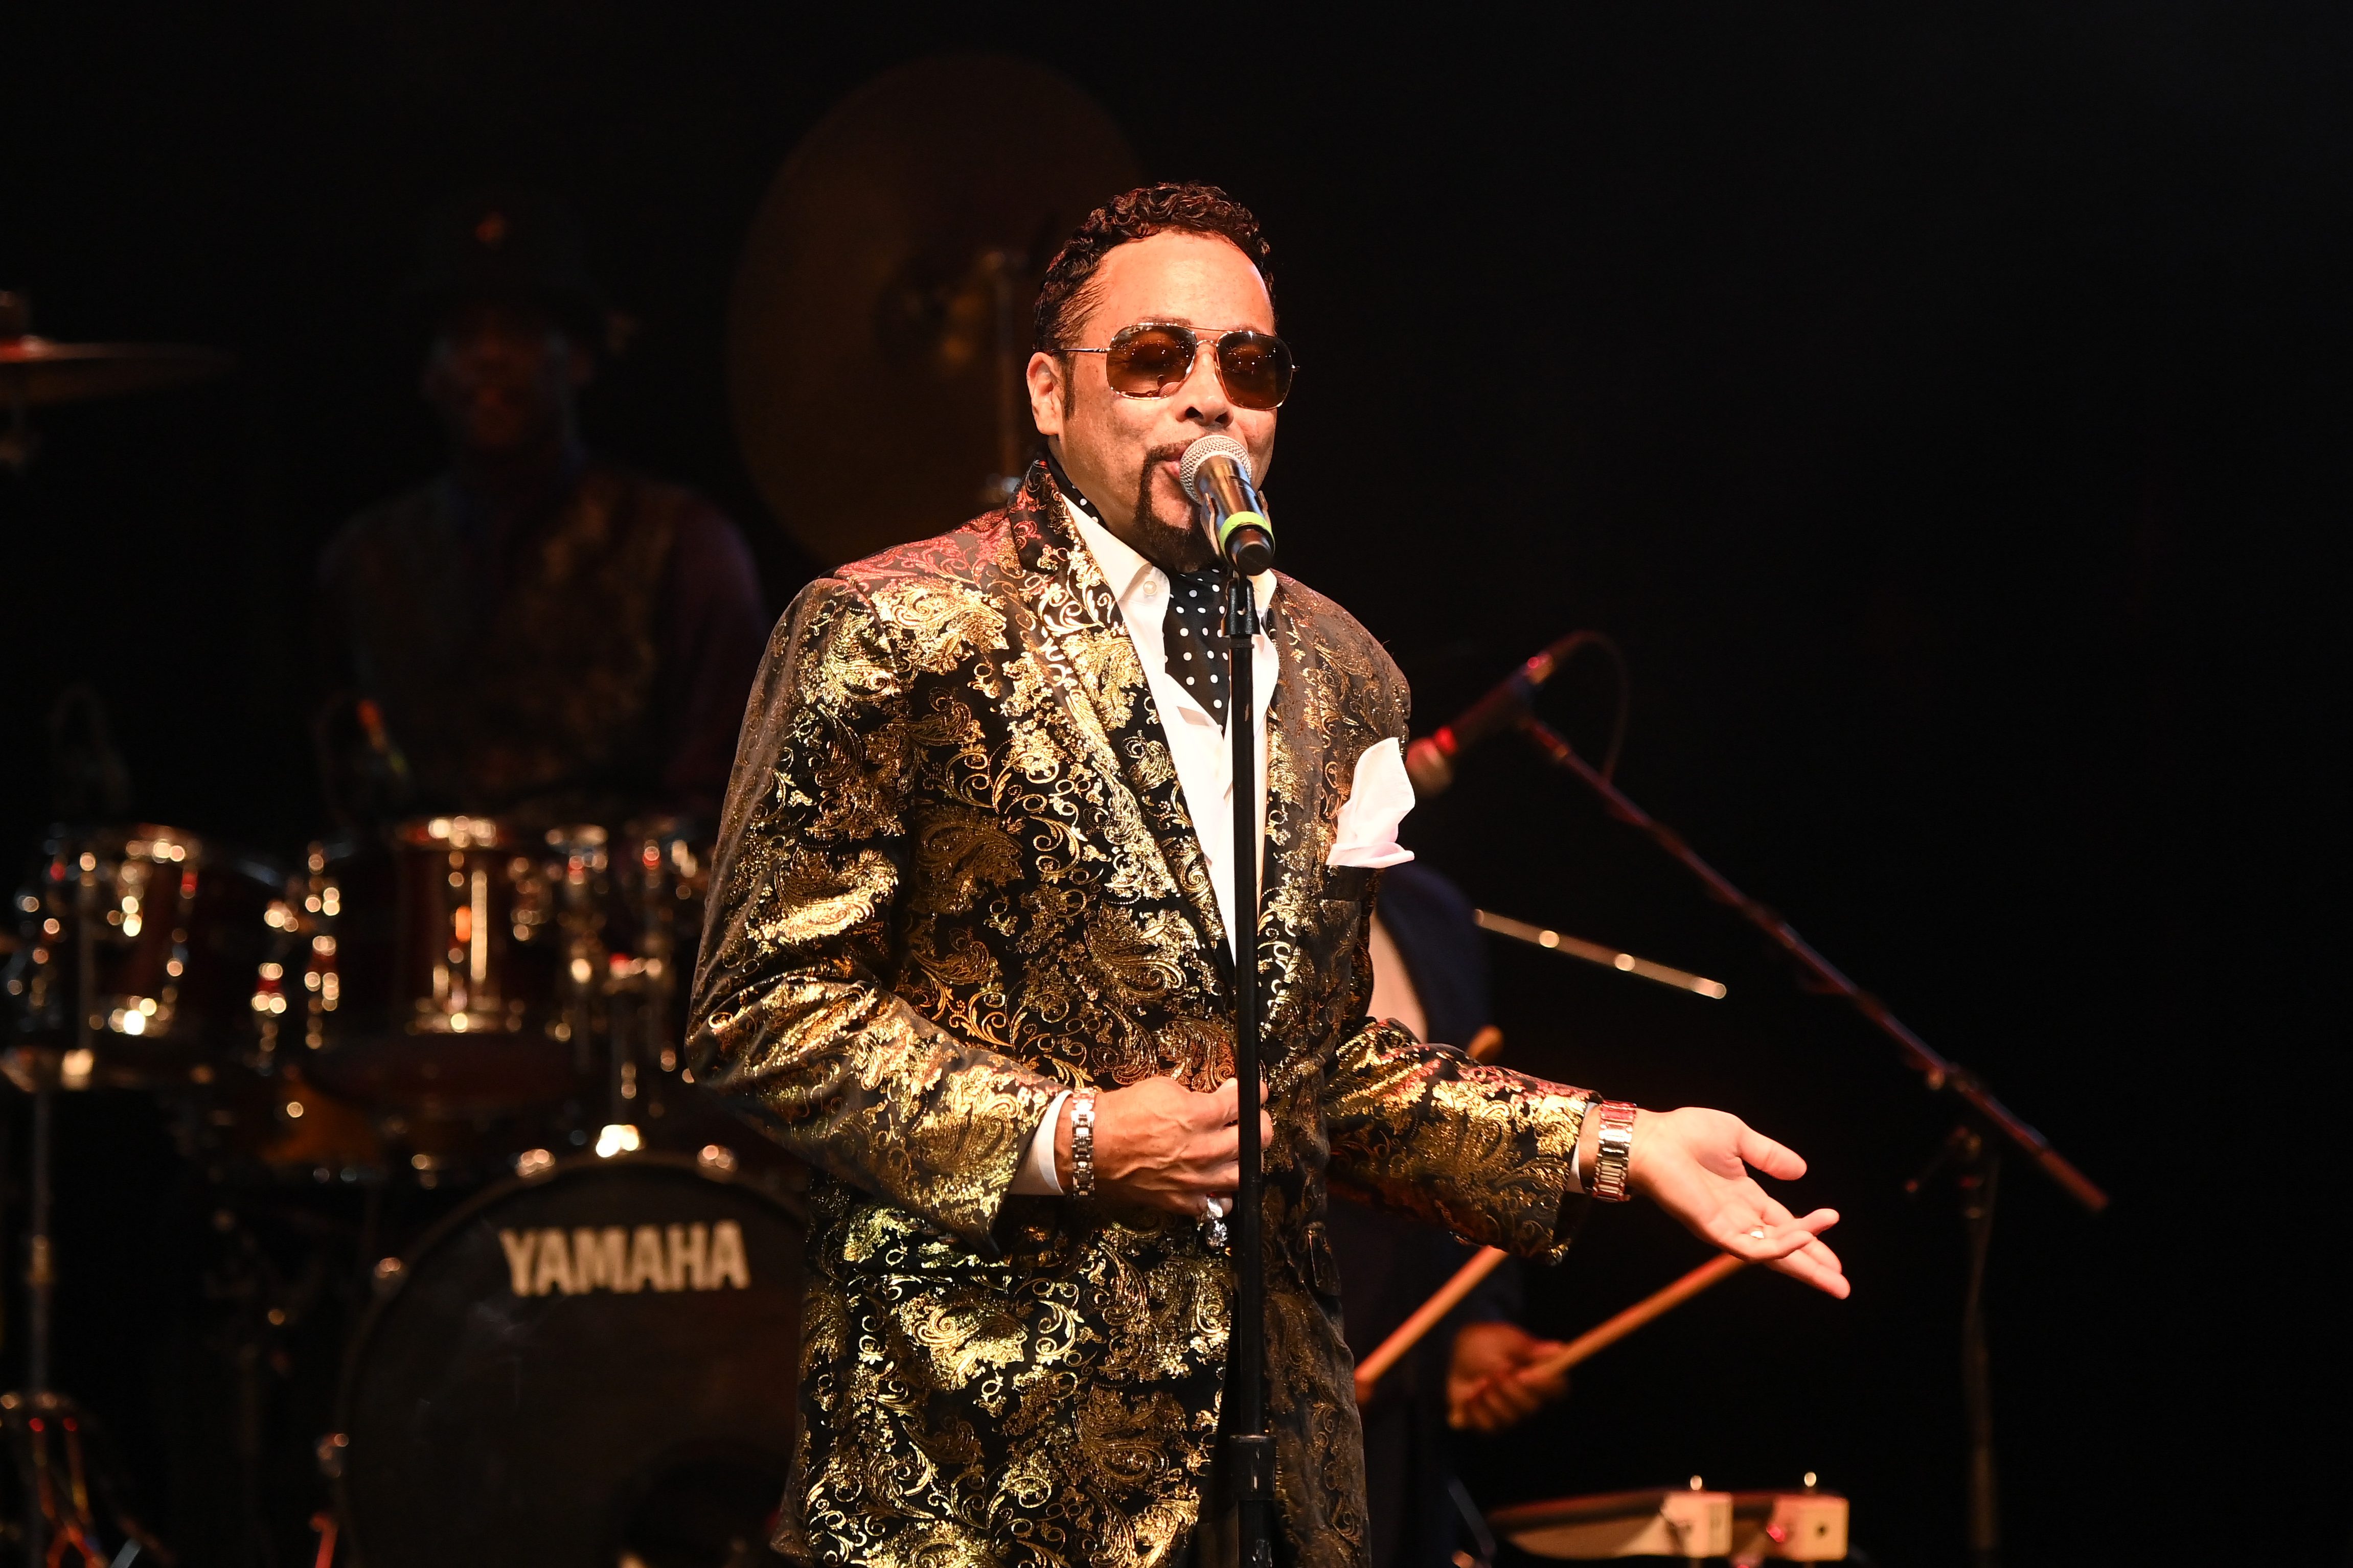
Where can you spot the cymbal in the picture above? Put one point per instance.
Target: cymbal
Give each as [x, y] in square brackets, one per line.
[36, 371]
[881, 317]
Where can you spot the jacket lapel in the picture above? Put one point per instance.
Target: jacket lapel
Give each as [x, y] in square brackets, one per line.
[1298, 809]
[1109, 703]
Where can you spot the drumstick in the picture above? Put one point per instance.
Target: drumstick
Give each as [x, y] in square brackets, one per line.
[1722, 1266]
[1601, 1338]
[1425, 1318]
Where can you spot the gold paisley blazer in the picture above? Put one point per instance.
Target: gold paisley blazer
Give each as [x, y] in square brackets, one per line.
[956, 875]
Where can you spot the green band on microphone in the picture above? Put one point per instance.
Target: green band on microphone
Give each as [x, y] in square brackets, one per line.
[1242, 519]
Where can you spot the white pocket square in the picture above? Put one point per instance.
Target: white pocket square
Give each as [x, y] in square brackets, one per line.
[1376, 803]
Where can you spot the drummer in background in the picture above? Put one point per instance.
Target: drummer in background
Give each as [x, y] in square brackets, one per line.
[538, 632]
[1429, 973]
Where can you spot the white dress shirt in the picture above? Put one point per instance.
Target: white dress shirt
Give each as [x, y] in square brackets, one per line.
[1197, 746]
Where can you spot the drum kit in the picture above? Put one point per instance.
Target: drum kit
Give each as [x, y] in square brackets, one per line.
[456, 1002]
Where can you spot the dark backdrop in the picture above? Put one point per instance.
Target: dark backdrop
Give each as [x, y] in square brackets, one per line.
[1943, 406]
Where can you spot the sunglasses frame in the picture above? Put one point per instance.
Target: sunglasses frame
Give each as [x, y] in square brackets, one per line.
[1193, 338]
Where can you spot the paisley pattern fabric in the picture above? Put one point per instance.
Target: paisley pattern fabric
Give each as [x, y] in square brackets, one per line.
[957, 874]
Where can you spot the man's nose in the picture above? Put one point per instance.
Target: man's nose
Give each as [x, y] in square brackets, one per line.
[1203, 394]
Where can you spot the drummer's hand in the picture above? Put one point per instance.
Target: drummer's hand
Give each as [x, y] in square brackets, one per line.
[1159, 1143]
[1694, 1164]
[1486, 1390]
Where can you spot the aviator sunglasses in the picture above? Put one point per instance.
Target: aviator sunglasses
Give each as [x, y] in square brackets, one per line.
[1152, 358]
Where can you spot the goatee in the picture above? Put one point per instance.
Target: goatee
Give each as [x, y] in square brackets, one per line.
[1185, 549]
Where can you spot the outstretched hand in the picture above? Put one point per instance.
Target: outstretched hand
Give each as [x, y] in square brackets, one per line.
[1694, 1163]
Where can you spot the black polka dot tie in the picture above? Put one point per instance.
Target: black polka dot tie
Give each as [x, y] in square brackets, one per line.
[1193, 631]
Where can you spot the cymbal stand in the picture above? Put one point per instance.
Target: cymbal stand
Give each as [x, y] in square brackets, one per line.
[40, 1257]
[1981, 1114]
[39, 1071]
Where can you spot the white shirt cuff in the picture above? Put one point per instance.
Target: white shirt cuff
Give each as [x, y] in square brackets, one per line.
[1577, 1155]
[1035, 1177]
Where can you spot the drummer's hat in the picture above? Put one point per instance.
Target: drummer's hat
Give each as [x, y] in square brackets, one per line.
[511, 244]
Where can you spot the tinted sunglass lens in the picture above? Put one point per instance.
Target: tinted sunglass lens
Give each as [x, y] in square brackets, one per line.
[1256, 368]
[1151, 362]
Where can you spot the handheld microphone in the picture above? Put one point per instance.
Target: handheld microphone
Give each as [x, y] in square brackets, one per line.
[1429, 762]
[1216, 472]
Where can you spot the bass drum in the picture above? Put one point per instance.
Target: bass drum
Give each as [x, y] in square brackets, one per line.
[594, 1367]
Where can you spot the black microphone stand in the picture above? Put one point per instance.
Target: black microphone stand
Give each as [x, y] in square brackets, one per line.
[1249, 1451]
[1968, 1147]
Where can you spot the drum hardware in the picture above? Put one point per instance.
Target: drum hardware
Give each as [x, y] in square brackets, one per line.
[72, 1506]
[1474, 1524]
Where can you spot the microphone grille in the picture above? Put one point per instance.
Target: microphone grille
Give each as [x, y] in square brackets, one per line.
[1189, 467]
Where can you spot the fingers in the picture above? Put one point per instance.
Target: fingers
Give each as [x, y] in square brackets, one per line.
[1781, 1236]
[1795, 1248]
[1542, 1387]
[1503, 1402]
[1775, 1160]
[1818, 1266]
[1508, 1397]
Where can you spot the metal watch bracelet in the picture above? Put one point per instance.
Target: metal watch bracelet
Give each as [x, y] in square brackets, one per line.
[1613, 1148]
[1082, 1143]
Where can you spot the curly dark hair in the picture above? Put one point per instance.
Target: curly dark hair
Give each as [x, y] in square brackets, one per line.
[1068, 293]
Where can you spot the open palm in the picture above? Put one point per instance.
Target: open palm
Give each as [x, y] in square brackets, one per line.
[1694, 1163]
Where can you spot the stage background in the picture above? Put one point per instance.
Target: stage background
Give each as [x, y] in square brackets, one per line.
[1944, 407]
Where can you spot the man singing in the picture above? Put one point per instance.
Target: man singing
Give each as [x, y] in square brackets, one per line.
[970, 946]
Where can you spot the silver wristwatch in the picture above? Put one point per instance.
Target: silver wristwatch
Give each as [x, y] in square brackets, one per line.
[1607, 1179]
[1082, 1143]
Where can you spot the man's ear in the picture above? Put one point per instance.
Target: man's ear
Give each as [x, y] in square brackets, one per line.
[1049, 392]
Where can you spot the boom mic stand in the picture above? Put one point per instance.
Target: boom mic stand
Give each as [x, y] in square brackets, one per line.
[1967, 1146]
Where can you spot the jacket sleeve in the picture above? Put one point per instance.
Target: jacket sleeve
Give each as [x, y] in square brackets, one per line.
[792, 1003]
[1423, 1130]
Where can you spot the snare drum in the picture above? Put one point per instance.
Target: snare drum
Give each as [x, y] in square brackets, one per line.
[137, 951]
